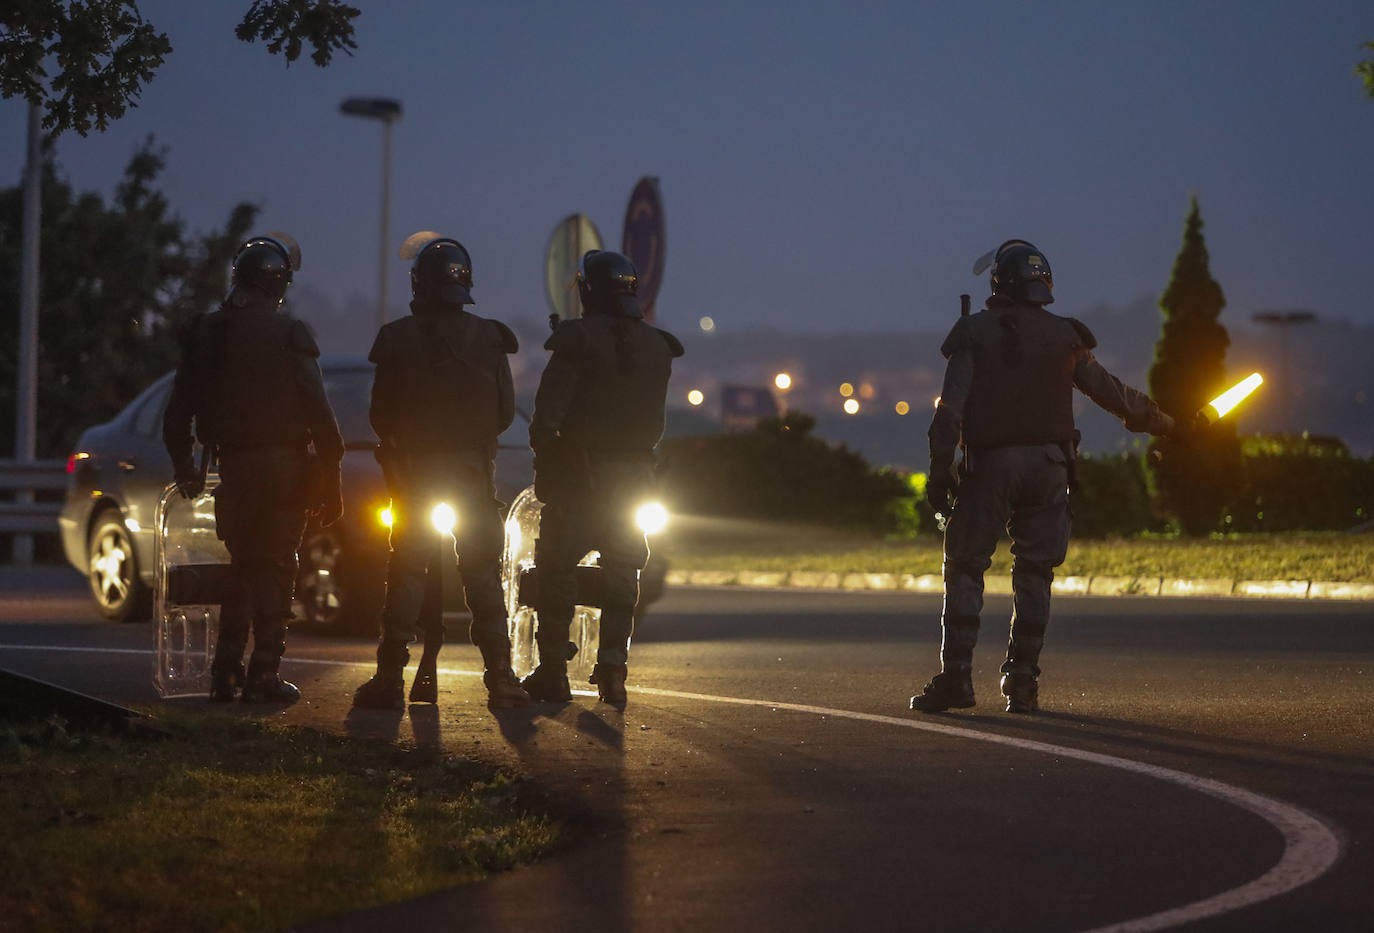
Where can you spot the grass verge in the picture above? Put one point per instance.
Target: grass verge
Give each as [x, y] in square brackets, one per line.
[1333, 556]
[232, 824]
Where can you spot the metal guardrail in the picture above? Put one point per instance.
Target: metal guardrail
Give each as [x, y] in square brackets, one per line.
[23, 516]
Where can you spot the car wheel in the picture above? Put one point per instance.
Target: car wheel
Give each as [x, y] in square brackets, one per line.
[112, 570]
[332, 594]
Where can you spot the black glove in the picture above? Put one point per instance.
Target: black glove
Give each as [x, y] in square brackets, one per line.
[940, 489]
[328, 496]
[1191, 430]
[189, 483]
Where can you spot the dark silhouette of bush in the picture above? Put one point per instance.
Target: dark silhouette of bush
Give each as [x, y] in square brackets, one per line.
[780, 470]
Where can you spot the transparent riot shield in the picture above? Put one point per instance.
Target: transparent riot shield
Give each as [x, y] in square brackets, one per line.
[519, 577]
[192, 578]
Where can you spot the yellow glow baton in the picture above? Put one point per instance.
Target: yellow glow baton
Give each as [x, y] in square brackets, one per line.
[1232, 397]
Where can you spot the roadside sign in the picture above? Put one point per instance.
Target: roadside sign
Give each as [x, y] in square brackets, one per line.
[645, 242]
[574, 235]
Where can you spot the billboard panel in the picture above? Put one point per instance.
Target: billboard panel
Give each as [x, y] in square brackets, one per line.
[574, 235]
[645, 241]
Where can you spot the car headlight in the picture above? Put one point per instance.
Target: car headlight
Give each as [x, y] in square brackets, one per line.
[385, 518]
[443, 518]
[651, 517]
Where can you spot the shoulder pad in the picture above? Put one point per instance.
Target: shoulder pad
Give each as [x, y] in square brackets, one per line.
[674, 345]
[301, 339]
[1084, 334]
[960, 338]
[506, 337]
[569, 338]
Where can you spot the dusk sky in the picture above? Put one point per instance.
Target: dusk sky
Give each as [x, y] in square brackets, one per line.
[824, 167]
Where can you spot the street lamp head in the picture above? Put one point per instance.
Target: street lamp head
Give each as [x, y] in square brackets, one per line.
[376, 108]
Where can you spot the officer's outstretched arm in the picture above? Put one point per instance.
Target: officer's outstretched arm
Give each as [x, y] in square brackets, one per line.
[1136, 410]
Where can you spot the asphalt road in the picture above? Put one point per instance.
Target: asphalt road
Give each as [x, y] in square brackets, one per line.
[1206, 764]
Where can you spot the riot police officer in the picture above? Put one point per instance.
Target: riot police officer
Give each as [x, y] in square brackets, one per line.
[250, 380]
[598, 414]
[1007, 400]
[441, 396]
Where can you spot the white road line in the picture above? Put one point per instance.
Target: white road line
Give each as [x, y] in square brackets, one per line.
[1310, 847]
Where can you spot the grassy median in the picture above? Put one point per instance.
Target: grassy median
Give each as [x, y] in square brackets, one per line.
[710, 544]
[232, 824]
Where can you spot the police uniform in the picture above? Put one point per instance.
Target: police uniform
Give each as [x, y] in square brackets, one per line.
[598, 415]
[441, 396]
[1007, 400]
[250, 380]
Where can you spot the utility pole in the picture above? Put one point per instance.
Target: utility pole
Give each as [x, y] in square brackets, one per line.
[1282, 321]
[26, 394]
[388, 112]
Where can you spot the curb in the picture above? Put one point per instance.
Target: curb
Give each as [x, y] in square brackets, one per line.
[1000, 585]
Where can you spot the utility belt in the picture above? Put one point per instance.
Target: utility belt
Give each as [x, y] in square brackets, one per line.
[1068, 446]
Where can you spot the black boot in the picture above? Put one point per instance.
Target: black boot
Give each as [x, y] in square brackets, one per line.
[952, 688]
[386, 688]
[264, 685]
[225, 681]
[549, 683]
[1022, 692]
[610, 683]
[946, 690]
[503, 689]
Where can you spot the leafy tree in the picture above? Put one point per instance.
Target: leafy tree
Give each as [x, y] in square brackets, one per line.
[106, 52]
[1192, 483]
[117, 282]
[1365, 70]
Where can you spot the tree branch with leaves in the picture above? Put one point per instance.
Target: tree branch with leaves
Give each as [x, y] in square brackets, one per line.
[105, 52]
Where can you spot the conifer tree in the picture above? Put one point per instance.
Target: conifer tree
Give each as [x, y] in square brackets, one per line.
[1193, 483]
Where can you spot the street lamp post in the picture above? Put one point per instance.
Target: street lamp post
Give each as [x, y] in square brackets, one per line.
[388, 111]
[1283, 320]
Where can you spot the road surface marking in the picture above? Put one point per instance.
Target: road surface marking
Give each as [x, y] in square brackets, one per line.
[1310, 847]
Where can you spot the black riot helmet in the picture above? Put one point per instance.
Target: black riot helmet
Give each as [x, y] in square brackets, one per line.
[1022, 272]
[607, 283]
[265, 263]
[442, 272]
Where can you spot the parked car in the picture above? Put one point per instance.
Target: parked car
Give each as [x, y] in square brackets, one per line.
[120, 468]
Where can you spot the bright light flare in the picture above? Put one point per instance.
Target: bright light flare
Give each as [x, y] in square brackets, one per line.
[902, 408]
[783, 381]
[851, 406]
[846, 389]
[385, 517]
[695, 397]
[707, 325]
[443, 518]
[651, 517]
[1235, 395]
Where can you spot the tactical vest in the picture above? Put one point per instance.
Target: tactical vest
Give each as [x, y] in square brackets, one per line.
[1023, 369]
[247, 376]
[447, 365]
[617, 407]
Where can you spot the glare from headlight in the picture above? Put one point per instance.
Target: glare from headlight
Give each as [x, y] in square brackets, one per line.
[443, 518]
[384, 517]
[651, 518]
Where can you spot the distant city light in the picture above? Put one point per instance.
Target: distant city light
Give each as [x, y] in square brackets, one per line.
[903, 408]
[851, 406]
[783, 381]
[866, 391]
[846, 389]
[695, 397]
[707, 325]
